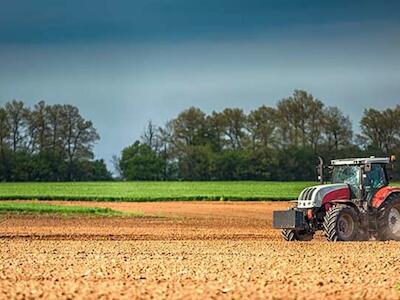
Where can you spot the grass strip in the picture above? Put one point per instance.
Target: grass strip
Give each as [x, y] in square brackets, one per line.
[7, 207]
[155, 191]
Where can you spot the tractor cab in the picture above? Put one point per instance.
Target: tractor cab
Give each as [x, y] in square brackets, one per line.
[364, 176]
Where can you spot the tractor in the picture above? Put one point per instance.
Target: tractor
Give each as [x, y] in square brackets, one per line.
[357, 205]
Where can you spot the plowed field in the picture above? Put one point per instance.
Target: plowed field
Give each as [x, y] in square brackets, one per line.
[189, 250]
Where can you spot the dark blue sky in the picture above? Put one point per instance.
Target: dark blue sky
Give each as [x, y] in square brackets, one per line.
[84, 21]
[125, 62]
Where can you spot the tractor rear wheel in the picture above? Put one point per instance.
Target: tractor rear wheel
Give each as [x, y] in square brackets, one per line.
[389, 219]
[341, 223]
[291, 235]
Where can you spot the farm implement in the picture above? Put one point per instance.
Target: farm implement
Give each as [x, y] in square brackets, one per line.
[358, 205]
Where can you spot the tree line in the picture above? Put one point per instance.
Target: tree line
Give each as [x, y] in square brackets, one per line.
[269, 143]
[47, 143]
[55, 143]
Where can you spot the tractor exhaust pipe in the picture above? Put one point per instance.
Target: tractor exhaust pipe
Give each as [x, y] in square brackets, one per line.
[321, 170]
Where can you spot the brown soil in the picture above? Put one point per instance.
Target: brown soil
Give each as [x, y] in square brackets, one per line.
[190, 250]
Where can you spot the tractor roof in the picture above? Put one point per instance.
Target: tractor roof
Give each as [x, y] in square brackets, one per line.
[360, 161]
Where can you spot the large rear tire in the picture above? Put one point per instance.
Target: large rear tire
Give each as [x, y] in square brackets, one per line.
[291, 235]
[389, 219]
[341, 223]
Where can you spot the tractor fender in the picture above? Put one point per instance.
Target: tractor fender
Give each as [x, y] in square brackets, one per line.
[328, 205]
[381, 195]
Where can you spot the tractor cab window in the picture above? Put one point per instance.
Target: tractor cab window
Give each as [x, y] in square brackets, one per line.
[375, 179]
[349, 175]
[346, 174]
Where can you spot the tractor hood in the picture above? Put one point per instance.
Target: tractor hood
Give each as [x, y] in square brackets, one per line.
[318, 195]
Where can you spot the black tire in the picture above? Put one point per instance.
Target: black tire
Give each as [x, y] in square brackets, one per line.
[341, 223]
[389, 219]
[291, 235]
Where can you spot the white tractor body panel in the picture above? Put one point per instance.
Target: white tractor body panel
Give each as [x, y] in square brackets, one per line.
[312, 197]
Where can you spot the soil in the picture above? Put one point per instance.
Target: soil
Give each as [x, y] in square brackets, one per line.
[186, 250]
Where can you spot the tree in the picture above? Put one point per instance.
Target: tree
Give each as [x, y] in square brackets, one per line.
[95, 170]
[380, 130]
[98, 170]
[77, 134]
[140, 162]
[263, 163]
[234, 124]
[38, 127]
[167, 152]
[232, 165]
[233, 145]
[315, 120]
[21, 166]
[5, 133]
[296, 163]
[189, 128]
[47, 143]
[301, 118]
[337, 129]
[151, 136]
[16, 112]
[262, 124]
[54, 116]
[185, 136]
[216, 131]
[196, 163]
[48, 166]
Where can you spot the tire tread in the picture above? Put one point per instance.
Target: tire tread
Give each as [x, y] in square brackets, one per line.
[383, 233]
[330, 222]
[291, 235]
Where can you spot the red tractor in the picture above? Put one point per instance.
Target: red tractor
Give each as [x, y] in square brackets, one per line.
[358, 205]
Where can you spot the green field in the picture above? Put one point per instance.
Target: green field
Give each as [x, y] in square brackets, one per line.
[43, 208]
[153, 191]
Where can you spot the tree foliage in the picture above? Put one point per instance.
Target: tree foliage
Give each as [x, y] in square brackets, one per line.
[268, 143]
[140, 162]
[380, 130]
[47, 143]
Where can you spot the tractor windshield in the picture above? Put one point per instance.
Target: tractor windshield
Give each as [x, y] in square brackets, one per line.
[347, 174]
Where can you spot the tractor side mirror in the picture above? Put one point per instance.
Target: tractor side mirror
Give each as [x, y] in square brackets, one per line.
[367, 167]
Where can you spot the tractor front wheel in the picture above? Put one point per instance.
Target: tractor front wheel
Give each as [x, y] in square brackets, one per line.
[389, 219]
[291, 235]
[341, 223]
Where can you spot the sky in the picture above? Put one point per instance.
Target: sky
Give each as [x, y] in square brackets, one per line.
[125, 62]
